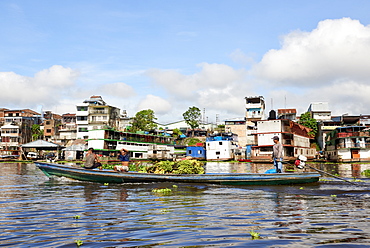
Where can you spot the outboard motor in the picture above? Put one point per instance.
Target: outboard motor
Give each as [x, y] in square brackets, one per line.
[300, 162]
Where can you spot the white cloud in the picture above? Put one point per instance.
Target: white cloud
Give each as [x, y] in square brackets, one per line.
[155, 103]
[336, 49]
[117, 90]
[216, 87]
[47, 87]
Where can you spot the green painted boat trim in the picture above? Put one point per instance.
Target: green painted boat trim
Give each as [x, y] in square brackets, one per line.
[110, 176]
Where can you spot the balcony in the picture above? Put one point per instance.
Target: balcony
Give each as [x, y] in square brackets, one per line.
[352, 134]
[94, 111]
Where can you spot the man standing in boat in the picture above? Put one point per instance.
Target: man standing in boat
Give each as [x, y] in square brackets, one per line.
[277, 154]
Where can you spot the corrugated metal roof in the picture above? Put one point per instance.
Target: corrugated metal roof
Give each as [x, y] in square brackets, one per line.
[40, 144]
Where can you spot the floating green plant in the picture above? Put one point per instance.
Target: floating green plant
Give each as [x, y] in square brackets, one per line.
[174, 186]
[255, 235]
[165, 190]
[333, 195]
[106, 184]
[79, 242]
[76, 217]
[301, 188]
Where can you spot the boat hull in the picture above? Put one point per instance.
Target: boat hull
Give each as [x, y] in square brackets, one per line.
[108, 176]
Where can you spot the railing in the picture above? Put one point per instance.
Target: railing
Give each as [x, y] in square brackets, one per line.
[353, 145]
[352, 134]
[98, 112]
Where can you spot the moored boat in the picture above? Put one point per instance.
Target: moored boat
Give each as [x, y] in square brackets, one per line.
[109, 176]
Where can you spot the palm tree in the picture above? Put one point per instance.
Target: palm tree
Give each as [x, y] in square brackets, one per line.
[37, 133]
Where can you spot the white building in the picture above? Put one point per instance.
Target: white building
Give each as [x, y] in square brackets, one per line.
[183, 126]
[10, 136]
[222, 147]
[94, 113]
[320, 111]
[293, 136]
[254, 111]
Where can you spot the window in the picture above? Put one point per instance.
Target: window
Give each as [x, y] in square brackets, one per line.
[47, 122]
[82, 108]
[82, 129]
[48, 130]
[81, 118]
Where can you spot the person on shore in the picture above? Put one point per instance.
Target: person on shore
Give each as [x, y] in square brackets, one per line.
[92, 160]
[277, 154]
[124, 157]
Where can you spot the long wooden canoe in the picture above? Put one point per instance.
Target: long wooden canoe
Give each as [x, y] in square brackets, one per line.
[110, 176]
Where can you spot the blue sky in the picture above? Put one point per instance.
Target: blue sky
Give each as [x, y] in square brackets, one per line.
[171, 55]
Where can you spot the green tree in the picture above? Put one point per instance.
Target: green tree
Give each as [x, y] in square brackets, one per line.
[176, 133]
[37, 133]
[192, 117]
[144, 121]
[307, 121]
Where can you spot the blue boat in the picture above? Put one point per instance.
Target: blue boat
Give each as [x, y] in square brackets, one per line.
[110, 176]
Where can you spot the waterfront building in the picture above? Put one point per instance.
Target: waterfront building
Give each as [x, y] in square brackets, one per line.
[94, 113]
[52, 123]
[222, 147]
[238, 127]
[254, 111]
[348, 144]
[81, 121]
[204, 127]
[320, 111]
[289, 114]
[196, 152]
[17, 128]
[293, 136]
[141, 145]
[68, 129]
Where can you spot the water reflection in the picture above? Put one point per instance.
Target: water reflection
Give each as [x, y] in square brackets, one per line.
[347, 170]
[38, 212]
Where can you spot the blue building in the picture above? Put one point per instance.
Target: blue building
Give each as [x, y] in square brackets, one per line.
[197, 152]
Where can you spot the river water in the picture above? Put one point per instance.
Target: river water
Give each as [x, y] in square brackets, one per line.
[41, 212]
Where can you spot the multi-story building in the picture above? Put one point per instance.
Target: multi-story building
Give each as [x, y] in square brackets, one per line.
[124, 121]
[17, 128]
[290, 114]
[52, 123]
[82, 121]
[68, 129]
[348, 144]
[2, 116]
[93, 114]
[254, 111]
[237, 126]
[320, 111]
[293, 136]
